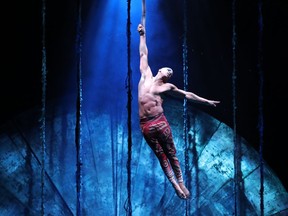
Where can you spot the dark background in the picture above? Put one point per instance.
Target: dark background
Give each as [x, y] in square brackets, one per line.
[20, 86]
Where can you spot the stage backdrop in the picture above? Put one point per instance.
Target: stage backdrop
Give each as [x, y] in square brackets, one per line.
[208, 166]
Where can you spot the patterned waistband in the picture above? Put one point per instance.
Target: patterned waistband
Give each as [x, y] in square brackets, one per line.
[146, 119]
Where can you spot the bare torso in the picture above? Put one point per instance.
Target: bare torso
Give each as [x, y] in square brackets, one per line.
[149, 98]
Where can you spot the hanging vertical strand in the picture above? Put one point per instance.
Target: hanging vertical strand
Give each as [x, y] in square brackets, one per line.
[143, 17]
[260, 115]
[185, 112]
[43, 109]
[78, 129]
[237, 147]
[128, 206]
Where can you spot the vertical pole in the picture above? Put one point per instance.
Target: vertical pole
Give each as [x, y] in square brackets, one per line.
[43, 109]
[128, 206]
[78, 129]
[237, 146]
[185, 112]
[260, 115]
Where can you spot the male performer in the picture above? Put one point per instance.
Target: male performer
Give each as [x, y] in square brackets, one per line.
[154, 125]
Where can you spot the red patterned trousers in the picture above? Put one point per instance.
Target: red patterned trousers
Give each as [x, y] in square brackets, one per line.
[157, 133]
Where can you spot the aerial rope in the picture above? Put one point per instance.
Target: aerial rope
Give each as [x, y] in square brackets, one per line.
[260, 115]
[128, 206]
[78, 129]
[143, 17]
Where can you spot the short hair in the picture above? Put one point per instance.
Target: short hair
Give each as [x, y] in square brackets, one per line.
[169, 70]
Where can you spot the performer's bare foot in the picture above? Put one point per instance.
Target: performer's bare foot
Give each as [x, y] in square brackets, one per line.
[179, 192]
[185, 190]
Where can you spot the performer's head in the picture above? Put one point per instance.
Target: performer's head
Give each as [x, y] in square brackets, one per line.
[166, 73]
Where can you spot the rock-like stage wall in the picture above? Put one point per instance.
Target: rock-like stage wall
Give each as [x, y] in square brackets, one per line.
[208, 167]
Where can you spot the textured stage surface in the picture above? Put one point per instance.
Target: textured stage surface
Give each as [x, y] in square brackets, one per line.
[208, 167]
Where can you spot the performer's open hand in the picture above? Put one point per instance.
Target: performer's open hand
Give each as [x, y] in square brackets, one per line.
[213, 103]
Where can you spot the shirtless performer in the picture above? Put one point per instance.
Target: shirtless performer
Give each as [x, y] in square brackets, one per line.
[153, 123]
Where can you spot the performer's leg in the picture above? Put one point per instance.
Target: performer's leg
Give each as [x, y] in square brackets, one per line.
[170, 150]
[167, 169]
[153, 132]
[165, 165]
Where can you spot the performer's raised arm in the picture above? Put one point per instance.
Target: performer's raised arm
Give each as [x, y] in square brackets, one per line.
[143, 52]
